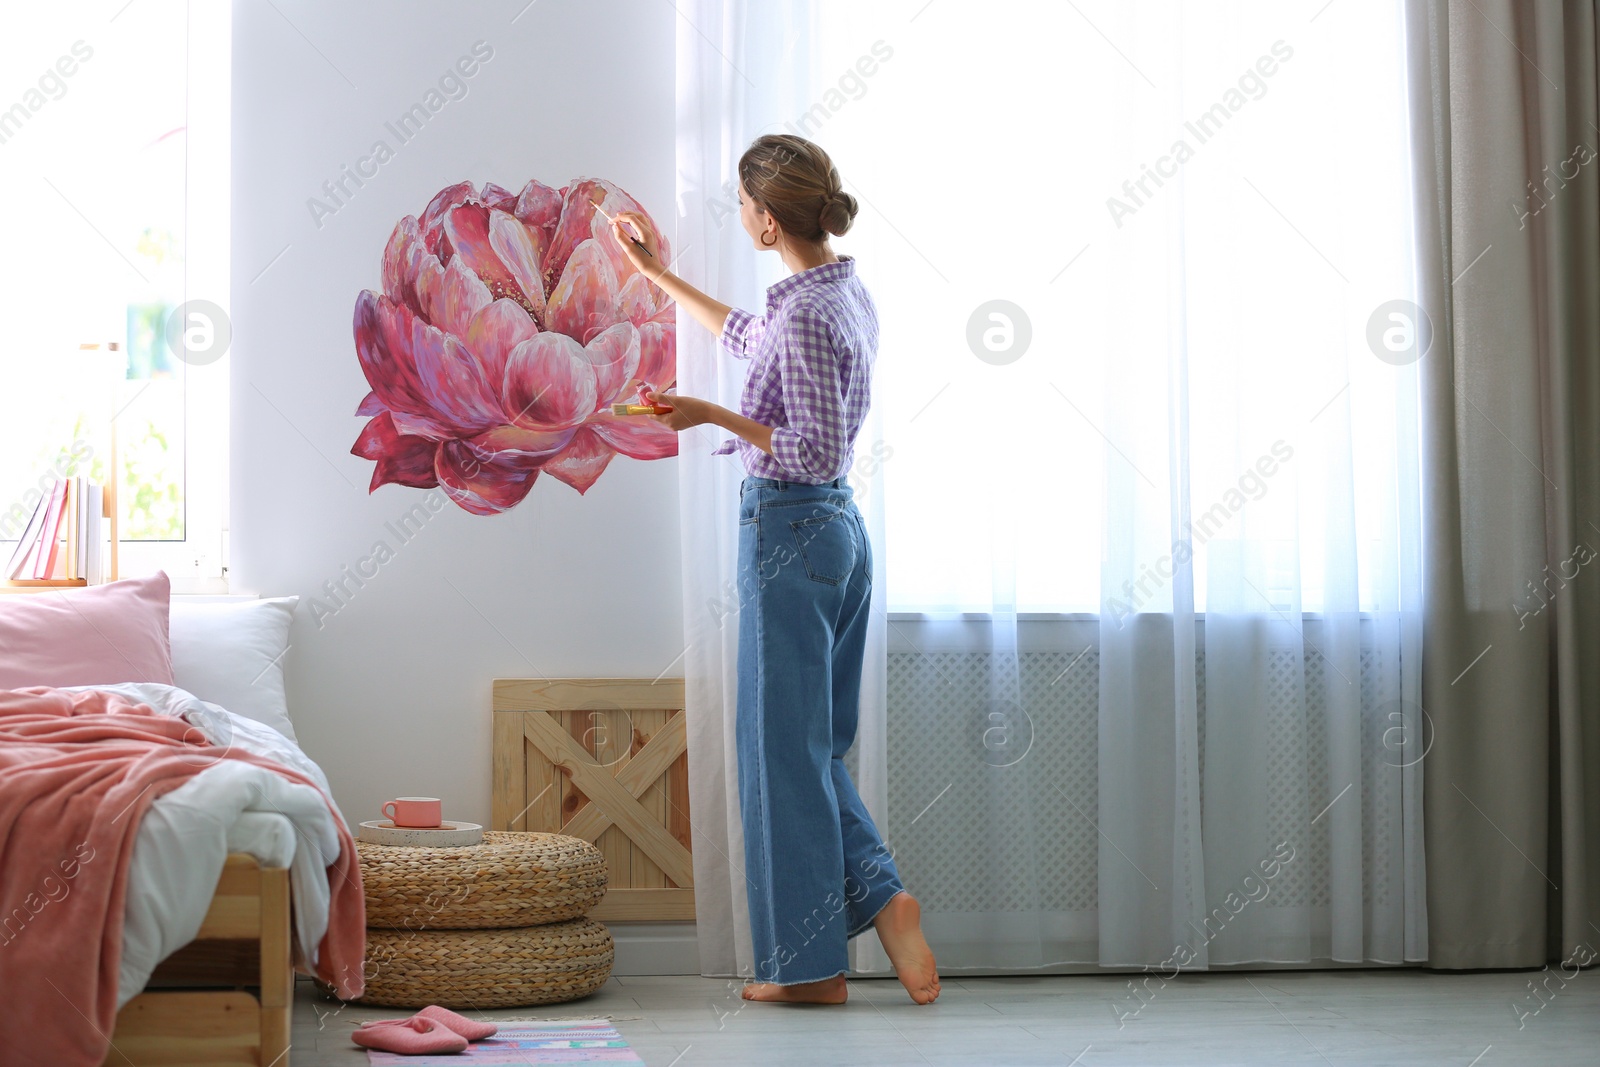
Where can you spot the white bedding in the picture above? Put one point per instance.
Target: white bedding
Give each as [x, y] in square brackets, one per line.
[231, 806]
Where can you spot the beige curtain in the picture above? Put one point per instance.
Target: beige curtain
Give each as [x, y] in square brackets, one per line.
[1505, 136]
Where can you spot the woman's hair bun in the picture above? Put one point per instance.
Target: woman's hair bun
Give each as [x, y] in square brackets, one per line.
[793, 180]
[838, 212]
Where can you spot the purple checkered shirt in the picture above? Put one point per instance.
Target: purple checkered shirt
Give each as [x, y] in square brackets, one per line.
[810, 375]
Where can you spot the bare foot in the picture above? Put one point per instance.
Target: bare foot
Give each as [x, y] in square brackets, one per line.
[828, 991]
[899, 927]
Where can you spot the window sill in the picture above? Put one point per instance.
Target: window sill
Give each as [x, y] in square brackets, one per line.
[200, 586]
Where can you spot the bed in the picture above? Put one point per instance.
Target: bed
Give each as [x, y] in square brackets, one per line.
[227, 887]
[242, 942]
[222, 994]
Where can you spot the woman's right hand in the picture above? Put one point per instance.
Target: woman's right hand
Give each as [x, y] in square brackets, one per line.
[637, 226]
[708, 312]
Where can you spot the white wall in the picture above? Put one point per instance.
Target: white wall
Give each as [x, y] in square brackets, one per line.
[391, 694]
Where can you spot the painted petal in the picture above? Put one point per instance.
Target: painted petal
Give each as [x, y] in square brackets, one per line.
[425, 377]
[574, 227]
[518, 249]
[529, 444]
[451, 296]
[494, 331]
[585, 301]
[401, 459]
[466, 229]
[653, 312]
[541, 241]
[658, 354]
[641, 301]
[370, 405]
[614, 354]
[484, 484]
[403, 257]
[637, 436]
[614, 201]
[549, 384]
[582, 461]
[539, 207]
[497, 197]
[443, 201]
[581, 222]
[382, 333]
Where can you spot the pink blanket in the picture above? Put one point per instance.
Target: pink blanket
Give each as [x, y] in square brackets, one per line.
[77, 773]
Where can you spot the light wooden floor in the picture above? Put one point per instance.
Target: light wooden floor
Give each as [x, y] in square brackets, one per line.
[1279, 1017]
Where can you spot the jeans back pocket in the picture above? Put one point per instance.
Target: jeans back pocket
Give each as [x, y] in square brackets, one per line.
[827, 546]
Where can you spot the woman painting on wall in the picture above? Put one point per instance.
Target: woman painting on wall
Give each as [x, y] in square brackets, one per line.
[816, 869]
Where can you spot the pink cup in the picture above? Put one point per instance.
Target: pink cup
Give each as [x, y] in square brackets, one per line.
[415, 812]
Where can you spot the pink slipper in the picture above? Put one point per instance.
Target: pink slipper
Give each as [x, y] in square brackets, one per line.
[408, 1037]
[459, 1023]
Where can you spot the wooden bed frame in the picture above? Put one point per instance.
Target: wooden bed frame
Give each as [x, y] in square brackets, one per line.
[244, 941]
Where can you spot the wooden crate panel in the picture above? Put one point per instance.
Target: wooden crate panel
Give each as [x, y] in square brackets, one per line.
[604, 759]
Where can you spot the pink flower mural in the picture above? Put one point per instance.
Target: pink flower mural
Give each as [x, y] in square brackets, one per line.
[507, 327]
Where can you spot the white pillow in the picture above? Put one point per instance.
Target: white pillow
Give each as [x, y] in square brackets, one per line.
[231, 654]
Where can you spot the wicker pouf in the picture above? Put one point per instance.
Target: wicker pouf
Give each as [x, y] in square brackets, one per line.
[487, 968]
[512, 879]
[493, 925]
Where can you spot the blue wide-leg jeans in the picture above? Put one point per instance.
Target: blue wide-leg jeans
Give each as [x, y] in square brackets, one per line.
[817, 872]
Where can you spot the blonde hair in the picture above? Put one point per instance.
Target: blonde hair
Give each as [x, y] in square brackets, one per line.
[795, 182]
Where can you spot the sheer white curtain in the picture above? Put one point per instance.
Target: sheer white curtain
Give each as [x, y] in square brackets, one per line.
[1149, 410]
[743, 70]
[1144, 486]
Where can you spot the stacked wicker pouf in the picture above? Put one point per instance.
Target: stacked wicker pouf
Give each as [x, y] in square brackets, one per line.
[494, 925]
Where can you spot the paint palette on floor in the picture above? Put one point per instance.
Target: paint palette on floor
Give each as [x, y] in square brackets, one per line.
[579, 1041]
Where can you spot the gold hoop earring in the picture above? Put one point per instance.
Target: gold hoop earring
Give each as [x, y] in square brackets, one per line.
[768, 243]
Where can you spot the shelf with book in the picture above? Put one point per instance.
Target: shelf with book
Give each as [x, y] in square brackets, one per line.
[71, 535]
[65, 542]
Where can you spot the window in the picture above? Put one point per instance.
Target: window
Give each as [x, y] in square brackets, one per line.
[114, 154]
[1028, 153]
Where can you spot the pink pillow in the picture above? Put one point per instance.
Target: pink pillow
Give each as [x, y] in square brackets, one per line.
[96, 636]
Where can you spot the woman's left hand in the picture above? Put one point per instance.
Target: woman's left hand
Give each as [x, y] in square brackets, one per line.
[686, 411]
